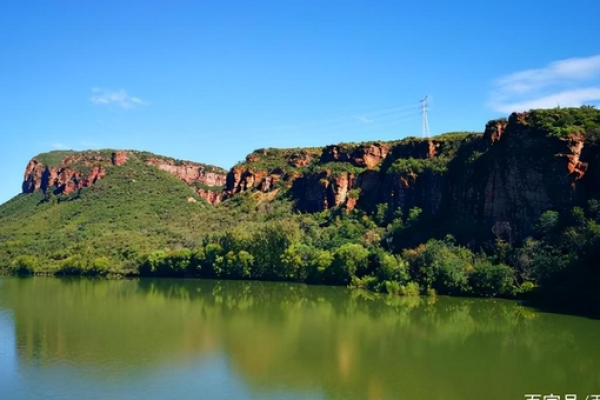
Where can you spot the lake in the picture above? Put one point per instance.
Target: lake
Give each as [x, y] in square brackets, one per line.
[180, 339]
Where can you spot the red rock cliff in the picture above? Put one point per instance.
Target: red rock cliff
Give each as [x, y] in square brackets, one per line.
[82, 169]
[75, 172]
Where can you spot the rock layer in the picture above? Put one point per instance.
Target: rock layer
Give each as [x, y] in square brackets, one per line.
[188, 172]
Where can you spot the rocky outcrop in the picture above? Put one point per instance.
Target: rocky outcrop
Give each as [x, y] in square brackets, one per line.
[119, 158]
[188, 172]
[300, 159]
[210, 196]
[63, 180]
[575, 166]
[240, 179]
[322, 191]
[494, 130]
[523, 172]
[368, 156]
[310, 192]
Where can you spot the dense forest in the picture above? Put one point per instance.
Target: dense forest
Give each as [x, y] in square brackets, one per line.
[513, 211]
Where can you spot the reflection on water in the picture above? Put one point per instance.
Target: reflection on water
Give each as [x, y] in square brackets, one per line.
[242, 340]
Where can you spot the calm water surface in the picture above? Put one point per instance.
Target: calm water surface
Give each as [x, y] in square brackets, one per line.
[175, 339]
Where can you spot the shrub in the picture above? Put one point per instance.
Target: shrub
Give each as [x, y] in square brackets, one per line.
[392, 287]
[440, 265]
[410, 289]
[24, 265]
[73, 265]
[348, 258]
[100, 265]
[492, 280]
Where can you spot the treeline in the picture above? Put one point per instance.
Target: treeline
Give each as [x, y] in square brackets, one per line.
[283, 251]
[558, 262]
[438, 266]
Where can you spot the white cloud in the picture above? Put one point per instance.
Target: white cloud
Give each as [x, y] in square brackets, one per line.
[364, 119]
[565, 98]
[119, 98]
[58, 146]
[569, 83]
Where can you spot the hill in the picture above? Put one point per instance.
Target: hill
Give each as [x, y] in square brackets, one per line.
[500, 212]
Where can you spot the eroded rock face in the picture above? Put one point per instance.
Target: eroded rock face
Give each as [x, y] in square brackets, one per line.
[311, 192]
[368, 156]
[575, 166]
[210, 196]
[515, 183]
[404, 191]
[240, 179]
[189, 172]
[299, 160]
[64, 179]
[418, 149]
[335, 153]
[494, 130]
[119, 158]
[322, 191]
[32, 179]
[338, 188]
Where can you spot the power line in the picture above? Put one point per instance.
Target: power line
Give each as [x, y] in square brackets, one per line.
[333, 131]
[403, 109]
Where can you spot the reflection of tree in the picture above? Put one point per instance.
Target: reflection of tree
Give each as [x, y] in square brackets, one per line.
[350, 344]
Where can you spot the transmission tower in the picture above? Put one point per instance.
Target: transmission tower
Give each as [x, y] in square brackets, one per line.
[424, 121]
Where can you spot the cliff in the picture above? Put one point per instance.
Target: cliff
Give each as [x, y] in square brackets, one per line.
[475, 186]
[67, 172]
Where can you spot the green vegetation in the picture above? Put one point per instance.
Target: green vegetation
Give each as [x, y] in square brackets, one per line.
[335, 168]
[419, 165]
[53, 158]
[200, 185]
[457, 136]
[564, 122]
[270, 158]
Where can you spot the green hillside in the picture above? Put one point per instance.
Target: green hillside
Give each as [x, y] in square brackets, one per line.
[134, 208]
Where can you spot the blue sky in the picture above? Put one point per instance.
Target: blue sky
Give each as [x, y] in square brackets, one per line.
[211, 80]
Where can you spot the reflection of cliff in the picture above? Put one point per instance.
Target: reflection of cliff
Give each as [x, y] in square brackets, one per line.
[347, 344]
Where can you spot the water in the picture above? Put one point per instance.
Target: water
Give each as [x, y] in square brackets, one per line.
[176, 339]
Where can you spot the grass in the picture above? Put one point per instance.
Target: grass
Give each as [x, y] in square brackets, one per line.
[53, 158]
[268, 159]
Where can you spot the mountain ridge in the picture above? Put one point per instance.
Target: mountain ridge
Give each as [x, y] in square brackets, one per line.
[517, 204]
